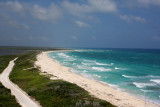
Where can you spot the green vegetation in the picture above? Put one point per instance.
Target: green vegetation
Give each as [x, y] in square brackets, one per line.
[6, 99]
[4, 61]
[50, 93]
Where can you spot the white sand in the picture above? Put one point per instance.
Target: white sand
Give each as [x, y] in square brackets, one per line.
[95, 88]
[23, 99]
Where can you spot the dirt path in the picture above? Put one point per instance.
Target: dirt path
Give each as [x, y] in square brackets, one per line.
[23, 99]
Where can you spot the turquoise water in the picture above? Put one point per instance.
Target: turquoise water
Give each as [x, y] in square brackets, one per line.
[133, 71]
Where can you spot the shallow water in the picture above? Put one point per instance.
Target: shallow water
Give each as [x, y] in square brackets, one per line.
[133, 71]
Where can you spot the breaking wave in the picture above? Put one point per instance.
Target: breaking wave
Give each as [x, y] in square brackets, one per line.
[148, 76]
[101, 69]
[156, 81]
[143, 85]
[97, 63]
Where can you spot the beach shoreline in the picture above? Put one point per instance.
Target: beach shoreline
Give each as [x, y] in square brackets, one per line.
[96, 88]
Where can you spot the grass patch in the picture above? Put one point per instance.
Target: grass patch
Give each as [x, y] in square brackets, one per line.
[6, 99]
[4, 61]
[48, 92]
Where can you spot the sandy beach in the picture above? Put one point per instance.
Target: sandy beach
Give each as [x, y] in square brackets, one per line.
[99, 90]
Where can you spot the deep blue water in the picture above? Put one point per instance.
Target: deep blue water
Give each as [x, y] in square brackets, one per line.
[133, 71]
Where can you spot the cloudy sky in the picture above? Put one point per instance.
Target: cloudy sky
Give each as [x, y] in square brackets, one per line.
[80, 23]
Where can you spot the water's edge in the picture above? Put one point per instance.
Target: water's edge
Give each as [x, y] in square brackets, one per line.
[103, 82]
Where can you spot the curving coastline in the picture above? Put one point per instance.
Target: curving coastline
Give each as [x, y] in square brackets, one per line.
[95, 88]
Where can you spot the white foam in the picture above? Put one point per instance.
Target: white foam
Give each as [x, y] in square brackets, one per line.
[97, 75]
[148, 76]
[84, 63]
[97, 63]
[87, 63]
[79, 66]
[101, 69]
[83, 67]
[143, 85]
[77, 71]
[129, 76]
[73, 70]
[87, 75]
[152, 76]
[113, 86]
[156, 81]
[63, 55]
[104, 82]
[116, 68]
[69, 59]
[53, 57]
[84, 71]
[146, 90]
[92, 62]
[112, 64]
[116, 87]
[88, 60]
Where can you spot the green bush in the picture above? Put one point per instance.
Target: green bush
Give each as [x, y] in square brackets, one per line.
[4, 61]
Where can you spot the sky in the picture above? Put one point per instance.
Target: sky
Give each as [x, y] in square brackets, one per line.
[80, 23]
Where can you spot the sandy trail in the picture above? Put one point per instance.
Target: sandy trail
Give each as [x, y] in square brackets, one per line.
[23, 99]
[95, 88]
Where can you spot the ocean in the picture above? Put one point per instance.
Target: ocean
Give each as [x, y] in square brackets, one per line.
[134, 71]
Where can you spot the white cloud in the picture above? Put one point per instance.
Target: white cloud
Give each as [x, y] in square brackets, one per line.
[90, 7]
[74, 38]
[131, 18]
[52, 13]
[76, 8]
[13, 5]
[141, 3]
[6, 20]
[149, 2]
[55, 12]
[103, 5]
[81, 24]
